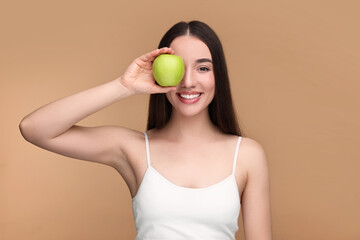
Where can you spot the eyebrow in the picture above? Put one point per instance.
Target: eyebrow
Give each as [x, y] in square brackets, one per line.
[201, 60]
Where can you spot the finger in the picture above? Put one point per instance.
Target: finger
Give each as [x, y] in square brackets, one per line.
[150, 56]
[165, 50]
[160, 89]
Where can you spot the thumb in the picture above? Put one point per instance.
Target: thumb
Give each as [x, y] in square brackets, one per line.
[160, 89]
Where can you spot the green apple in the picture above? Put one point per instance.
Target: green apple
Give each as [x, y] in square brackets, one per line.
[168, 70]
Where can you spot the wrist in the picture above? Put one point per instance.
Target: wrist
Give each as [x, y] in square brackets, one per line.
[125, 91]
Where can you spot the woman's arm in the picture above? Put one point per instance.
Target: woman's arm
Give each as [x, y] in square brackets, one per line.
[256, 209]
[52, 126]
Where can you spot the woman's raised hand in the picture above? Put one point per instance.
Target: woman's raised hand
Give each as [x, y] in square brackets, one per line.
[138, 77]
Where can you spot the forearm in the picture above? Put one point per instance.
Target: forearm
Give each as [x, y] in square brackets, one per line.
[55, 118]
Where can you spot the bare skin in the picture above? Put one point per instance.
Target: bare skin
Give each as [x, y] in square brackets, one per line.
[197, 153]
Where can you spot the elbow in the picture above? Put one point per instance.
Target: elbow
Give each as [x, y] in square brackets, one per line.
[27, 130]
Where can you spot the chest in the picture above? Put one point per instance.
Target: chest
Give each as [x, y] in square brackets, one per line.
[192, 166]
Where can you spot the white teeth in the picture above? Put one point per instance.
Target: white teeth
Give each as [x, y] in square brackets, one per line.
[190, 96]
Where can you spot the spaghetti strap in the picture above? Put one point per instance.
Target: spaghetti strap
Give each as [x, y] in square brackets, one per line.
[236, 154]
[147, 149]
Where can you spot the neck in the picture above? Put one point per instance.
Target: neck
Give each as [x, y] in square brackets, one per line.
[189, 129]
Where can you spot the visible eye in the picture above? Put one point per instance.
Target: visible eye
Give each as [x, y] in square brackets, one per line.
[204, 69]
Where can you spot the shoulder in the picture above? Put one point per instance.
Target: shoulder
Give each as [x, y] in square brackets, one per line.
[129, 135]
[125, 140]
[252, 147]
[253, 156]
[121, 136]
[128, 139]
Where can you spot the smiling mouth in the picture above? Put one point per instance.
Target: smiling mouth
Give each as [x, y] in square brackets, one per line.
[189, 98]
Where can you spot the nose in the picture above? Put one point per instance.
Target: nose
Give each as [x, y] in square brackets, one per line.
[188, 80]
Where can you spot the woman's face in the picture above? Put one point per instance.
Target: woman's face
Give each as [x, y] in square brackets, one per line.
[197, 88]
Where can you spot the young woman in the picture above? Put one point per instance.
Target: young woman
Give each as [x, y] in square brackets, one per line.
[191, 171]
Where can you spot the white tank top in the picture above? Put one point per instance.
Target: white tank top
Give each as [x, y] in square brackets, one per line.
[164, 210]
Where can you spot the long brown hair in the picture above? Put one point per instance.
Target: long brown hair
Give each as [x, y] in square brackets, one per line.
[221, 109]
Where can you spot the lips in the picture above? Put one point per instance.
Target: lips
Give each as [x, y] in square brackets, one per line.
[189, 97]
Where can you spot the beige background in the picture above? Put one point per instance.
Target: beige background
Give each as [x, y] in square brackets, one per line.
[294, 69]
